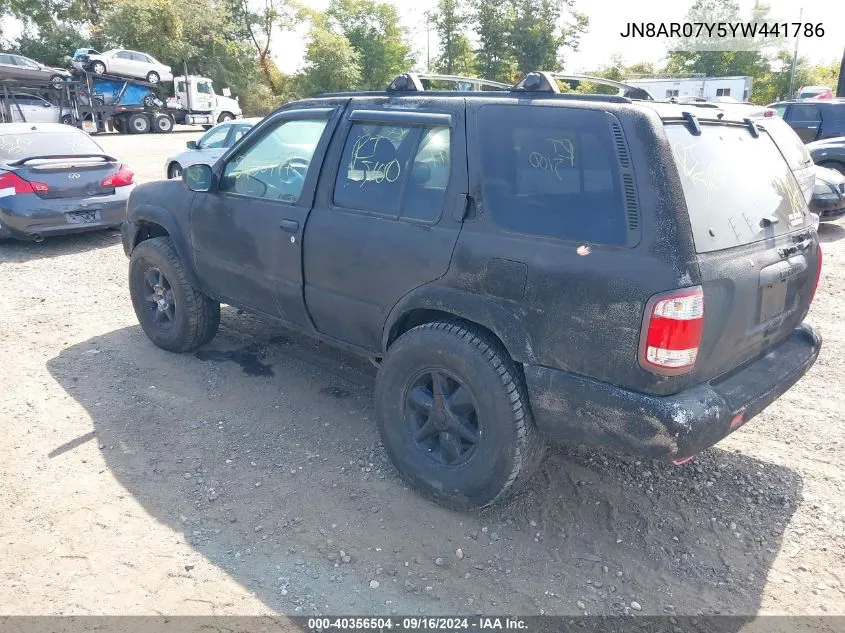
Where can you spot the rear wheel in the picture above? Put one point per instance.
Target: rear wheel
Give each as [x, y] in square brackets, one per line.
[174, 171]
[454, 417]
[162, 123]
[67, 119]
[138, 123]
[152, 77]
[173, 313]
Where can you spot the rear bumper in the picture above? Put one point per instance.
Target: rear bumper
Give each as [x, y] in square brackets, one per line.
[28, 217]
[828, 209]
[577, 409]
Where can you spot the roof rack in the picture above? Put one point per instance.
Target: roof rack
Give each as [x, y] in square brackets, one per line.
[413, 82]
[546, 81]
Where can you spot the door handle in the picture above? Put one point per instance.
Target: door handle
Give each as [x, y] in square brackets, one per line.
[291, 226]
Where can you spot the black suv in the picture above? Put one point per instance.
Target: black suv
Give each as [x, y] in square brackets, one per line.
[815, 119]
[518, 263]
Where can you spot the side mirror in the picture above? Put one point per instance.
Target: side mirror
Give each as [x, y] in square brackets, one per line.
[198, 178]
[47, 104]
[191, 145]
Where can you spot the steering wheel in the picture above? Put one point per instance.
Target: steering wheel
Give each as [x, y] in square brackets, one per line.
[292, 171]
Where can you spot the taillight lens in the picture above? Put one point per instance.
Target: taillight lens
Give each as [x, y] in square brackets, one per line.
[123, 177]
[769, 113]
[818, 275]
[672, 332]
[10, 182]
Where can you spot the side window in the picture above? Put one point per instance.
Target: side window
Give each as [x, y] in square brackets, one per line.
[723, 92]
[124, 55]
[276, 166]
[214, 138]
[140, 57]
[395, 170]
[7, 59]
[804, 113]
[780, 109]
[552, 171]
[204, 88]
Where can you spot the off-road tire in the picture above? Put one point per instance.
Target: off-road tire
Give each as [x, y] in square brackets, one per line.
[197, 317]
[509, 449]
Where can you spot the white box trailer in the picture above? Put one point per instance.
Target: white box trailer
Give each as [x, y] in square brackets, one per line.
[710, 88]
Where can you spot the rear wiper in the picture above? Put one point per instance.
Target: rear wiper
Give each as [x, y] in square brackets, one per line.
[768, 221]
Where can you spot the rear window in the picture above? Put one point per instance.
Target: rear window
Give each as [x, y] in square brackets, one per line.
[72, 141]
[738, 188]
[552, 171]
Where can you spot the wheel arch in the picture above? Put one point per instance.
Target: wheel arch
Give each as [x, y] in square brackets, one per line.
[437, 303]
[146, 222]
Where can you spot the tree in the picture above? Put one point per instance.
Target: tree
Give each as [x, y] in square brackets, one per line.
[462, 60]
[537, 36]
[456, 56]
[372, 29]
[258, 23]
[494, 59]
[331, 63]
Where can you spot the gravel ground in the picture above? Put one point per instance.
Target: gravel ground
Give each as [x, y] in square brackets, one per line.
[248, 478]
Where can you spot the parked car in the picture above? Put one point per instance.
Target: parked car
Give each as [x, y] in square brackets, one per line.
[828, 201]
[829, 153]
[56, 179]
[210, 147]
[123, 62]
[518, 264]
[813, 120]
[26, 69]
[24, 106]
[811, 92]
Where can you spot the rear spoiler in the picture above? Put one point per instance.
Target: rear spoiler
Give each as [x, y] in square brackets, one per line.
[24, 161]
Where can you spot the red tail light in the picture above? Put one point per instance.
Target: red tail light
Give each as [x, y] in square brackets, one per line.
[672, 331]
[11, 180]
[769, 113]
[818, 275]
[123, 177]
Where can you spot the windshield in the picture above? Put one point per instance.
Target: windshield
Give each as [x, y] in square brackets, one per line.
[738, 188]
[17, 146]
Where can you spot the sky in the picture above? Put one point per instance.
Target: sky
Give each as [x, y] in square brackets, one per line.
[603, 38]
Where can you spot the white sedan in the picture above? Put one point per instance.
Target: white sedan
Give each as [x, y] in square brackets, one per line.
[123, 62]
[210, 147]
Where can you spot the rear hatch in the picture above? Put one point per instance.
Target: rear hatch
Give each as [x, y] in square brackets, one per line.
[756, 242]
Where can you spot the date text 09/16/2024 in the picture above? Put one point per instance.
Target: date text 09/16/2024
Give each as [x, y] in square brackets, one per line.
[415, 623]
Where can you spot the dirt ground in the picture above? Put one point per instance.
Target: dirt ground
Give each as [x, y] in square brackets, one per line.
[249, 479]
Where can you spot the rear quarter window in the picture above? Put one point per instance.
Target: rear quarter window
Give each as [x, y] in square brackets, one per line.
[552, 171]
[738, 189]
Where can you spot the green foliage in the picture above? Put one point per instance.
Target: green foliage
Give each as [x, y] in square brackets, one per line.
[518, 36]
[372, 29]
[52, 45]
[456, 55]
[331, 63]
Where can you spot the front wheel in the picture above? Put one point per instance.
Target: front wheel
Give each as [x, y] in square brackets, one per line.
[173, 313]
[58, 81]
[98, 68]
[454, 416]
[225, 116]
[174, 171]
[152, 77]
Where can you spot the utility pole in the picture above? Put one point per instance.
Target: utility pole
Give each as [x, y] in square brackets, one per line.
[840, 88]
[428, 41]
[795, 57]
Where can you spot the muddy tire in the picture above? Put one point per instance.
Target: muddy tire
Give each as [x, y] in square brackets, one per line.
[454, 416]
[173, 313]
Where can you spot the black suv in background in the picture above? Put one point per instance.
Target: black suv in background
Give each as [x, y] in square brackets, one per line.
[519, 263]
[813, 120]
